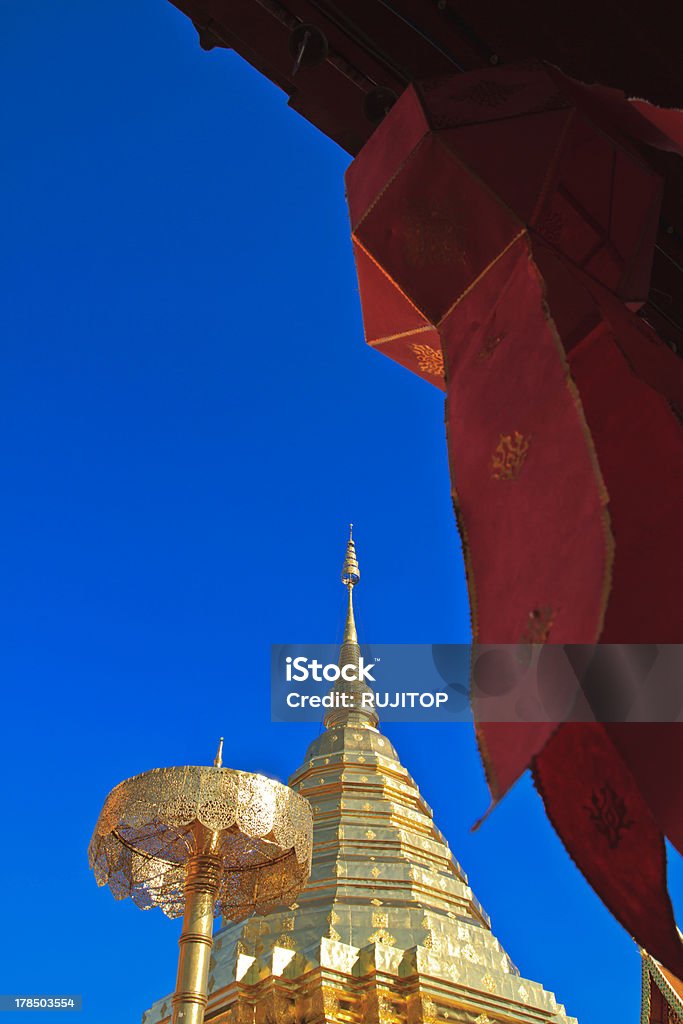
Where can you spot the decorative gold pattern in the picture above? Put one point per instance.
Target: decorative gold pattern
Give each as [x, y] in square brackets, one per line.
[470, 953]
[432, 238]
[429, 1010]
[509, 456]
[430, 360]
[152, 824]
[203, 841]
[491, 343]
[539, 626]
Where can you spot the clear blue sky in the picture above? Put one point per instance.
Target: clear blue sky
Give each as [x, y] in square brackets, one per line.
[189, 420]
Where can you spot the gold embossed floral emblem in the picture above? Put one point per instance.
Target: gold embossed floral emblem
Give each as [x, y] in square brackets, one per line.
[509, 456]
[429, 360]
[432, 238]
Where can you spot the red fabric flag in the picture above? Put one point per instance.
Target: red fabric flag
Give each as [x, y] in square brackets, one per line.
[504, 224]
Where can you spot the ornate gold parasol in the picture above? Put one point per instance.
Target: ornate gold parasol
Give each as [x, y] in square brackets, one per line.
[204, 842]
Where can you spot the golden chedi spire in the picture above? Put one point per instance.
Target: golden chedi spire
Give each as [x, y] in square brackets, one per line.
[388, 930]
[359, 711]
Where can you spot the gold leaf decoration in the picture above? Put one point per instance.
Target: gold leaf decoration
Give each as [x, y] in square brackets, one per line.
[509, 456]
[429, 360]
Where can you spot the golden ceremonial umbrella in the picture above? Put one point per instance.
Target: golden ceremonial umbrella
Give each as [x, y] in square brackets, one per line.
[203, 842]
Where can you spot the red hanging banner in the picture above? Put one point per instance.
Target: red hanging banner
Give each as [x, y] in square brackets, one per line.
[504, 224]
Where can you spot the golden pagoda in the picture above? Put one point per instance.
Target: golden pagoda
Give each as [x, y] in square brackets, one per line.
[387, 930]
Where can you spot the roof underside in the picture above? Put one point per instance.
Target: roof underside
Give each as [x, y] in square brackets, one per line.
[378, 45]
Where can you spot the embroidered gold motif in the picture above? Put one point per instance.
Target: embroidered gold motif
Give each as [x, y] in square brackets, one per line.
[539, 626]
[375, 872]
[483, 1018]
[367, 806]
[380, 919]
[376, 902]
[370, 834]
[430, 360]
[489, 983]
[509, 456]
[431, 238]
[523, 992]
[491, 343]
[609, 813]
[383, 937]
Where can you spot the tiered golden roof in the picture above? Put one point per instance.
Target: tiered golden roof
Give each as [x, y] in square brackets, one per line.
[388, 930]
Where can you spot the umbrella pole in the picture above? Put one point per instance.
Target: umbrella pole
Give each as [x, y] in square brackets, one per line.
[196, 939]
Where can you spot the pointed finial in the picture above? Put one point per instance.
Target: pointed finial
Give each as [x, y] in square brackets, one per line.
[351, 686]
[350, 574]
[218, 759]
